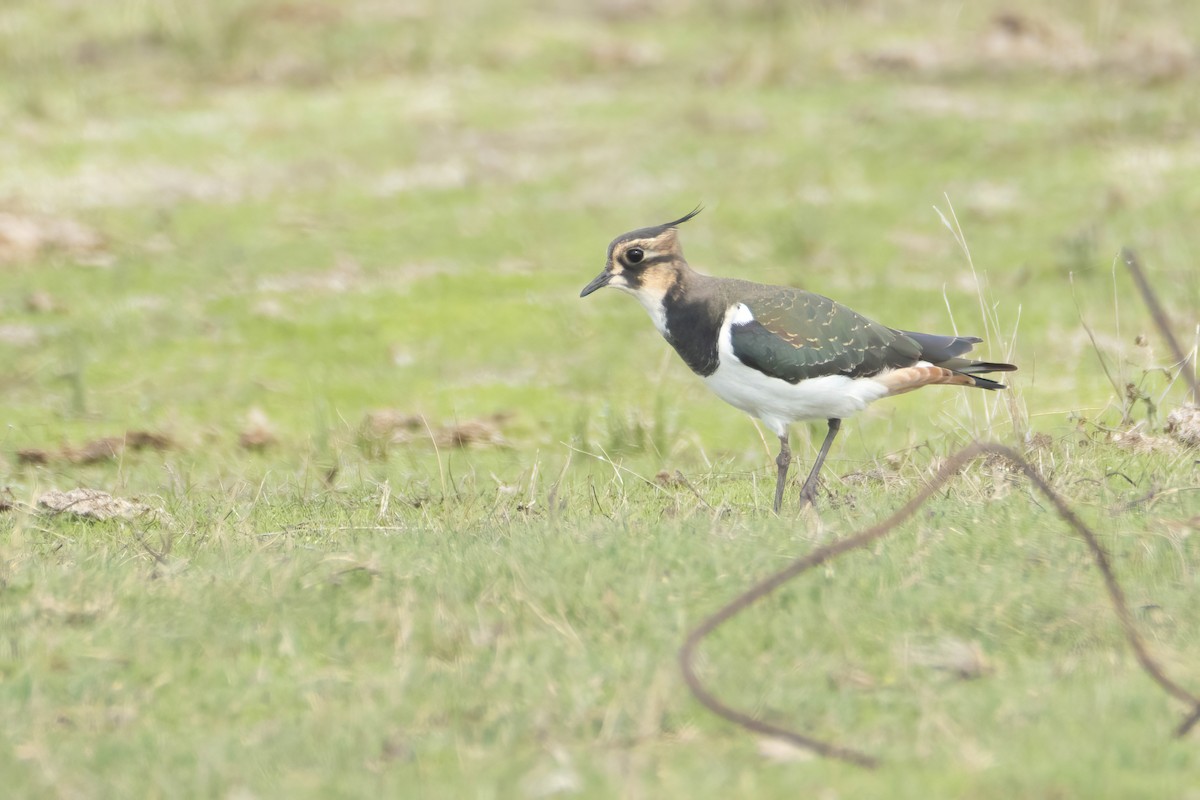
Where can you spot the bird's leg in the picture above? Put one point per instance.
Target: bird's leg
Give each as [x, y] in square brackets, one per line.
[783, 461]
[808, 493]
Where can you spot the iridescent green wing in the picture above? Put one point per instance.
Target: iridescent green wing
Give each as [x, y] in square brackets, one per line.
[797, 335]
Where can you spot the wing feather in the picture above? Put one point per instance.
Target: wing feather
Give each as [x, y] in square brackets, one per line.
[797, 335]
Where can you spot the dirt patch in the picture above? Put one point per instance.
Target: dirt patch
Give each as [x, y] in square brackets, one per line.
[962, 659]
[100, 184]
[298, 13]
[485, 432]
[19, 335]
[345, 276]
[781, 751]
[387, 422]
[668, 479]
[34, 457]
[113, 446]
[39, 302]
[388, 426]
[923, 58]
[94, 504]
[24, 238]
[1014, 40]
[451, 174]
[69, 613]
[1137, 440]
[96, 450]
[1156, 57]
[258, 433]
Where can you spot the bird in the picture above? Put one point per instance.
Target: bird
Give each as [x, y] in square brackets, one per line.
[778, 353]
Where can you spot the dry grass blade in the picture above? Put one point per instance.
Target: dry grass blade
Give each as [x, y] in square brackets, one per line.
[949, 470]
[1116, 384]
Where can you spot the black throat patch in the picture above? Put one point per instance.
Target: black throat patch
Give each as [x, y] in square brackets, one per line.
[692, 329]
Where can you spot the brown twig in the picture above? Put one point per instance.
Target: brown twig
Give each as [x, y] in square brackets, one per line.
[1160, 319]
[679, 476]
[158, 555]
[819, 556]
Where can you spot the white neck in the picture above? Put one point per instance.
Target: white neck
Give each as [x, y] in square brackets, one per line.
[653, 303]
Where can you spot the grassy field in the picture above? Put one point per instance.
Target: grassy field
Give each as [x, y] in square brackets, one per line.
[301, 279]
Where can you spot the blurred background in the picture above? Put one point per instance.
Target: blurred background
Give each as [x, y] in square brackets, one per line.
[247, 223]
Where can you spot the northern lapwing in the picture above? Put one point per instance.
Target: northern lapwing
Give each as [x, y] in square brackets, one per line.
[780, 354]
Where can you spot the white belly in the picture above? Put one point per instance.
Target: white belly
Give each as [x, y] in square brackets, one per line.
[779, 403]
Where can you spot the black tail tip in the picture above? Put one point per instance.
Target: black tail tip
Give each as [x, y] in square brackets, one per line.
[987, 383]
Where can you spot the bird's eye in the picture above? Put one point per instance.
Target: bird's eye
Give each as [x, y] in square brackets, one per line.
[634, 254]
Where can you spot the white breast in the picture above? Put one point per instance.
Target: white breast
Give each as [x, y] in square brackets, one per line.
[777, 402]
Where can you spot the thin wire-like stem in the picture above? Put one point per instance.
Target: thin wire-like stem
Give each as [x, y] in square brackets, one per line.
[952, 466]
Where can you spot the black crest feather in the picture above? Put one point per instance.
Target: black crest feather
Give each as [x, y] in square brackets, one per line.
[684, 218]
[650, 233]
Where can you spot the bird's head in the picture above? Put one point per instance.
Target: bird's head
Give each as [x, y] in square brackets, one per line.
[645, 262]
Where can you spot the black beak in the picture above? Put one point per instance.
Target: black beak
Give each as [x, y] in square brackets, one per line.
[600, 282]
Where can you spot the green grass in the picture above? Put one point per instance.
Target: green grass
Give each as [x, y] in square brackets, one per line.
[320, 210]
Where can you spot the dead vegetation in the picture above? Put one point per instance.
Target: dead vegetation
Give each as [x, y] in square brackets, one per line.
[1183, 425]
[93, 504]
